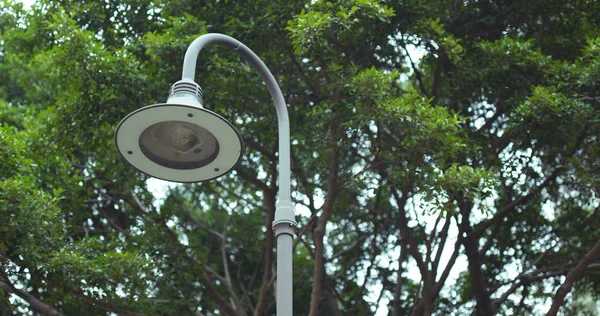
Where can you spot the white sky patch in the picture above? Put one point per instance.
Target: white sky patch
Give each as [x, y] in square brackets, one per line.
[159, 189]
[27, 3]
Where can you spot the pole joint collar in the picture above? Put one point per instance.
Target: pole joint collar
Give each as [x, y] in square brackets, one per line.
[285, 219]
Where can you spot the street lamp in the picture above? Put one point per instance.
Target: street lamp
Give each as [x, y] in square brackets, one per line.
[181, 141]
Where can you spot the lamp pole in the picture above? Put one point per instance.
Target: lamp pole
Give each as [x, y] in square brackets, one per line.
[284, 224]
[181, 141]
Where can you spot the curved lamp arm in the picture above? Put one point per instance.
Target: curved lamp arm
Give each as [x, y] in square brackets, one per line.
[189, 69]
[284, 224]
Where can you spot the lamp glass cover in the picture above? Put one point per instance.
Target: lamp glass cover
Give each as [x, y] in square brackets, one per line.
[179, 145]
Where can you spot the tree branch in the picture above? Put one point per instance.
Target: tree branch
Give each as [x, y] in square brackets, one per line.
[471, 243]
[104, 306]
[444, 276]
[35, 303]
[253, 180]
[399, 281]
[352, 245]
[261, 304]
[406, 232]
[442, 243]
[210, 290]
[304, 230]
[416, 71]
[573, 275]
[228, 284]
[319, 232]
[481, 227]
[367, 274]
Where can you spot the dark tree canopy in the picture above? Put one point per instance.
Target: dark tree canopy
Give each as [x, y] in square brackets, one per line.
[445, 156]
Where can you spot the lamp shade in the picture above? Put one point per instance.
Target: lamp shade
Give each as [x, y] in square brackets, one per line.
[179, 142]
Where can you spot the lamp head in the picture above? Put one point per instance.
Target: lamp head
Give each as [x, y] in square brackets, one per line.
[179, 141]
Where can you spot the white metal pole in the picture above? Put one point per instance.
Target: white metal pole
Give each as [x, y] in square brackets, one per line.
[284, 224]
[284, 275]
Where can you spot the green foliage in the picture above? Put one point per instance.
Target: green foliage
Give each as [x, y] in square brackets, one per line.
[88, 263]
[322, 21]
[474, 184]
[30, 221]
[486, 144]
[11, 115]
[449, 44]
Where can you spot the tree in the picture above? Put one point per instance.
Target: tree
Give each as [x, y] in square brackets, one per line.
[462, 182]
